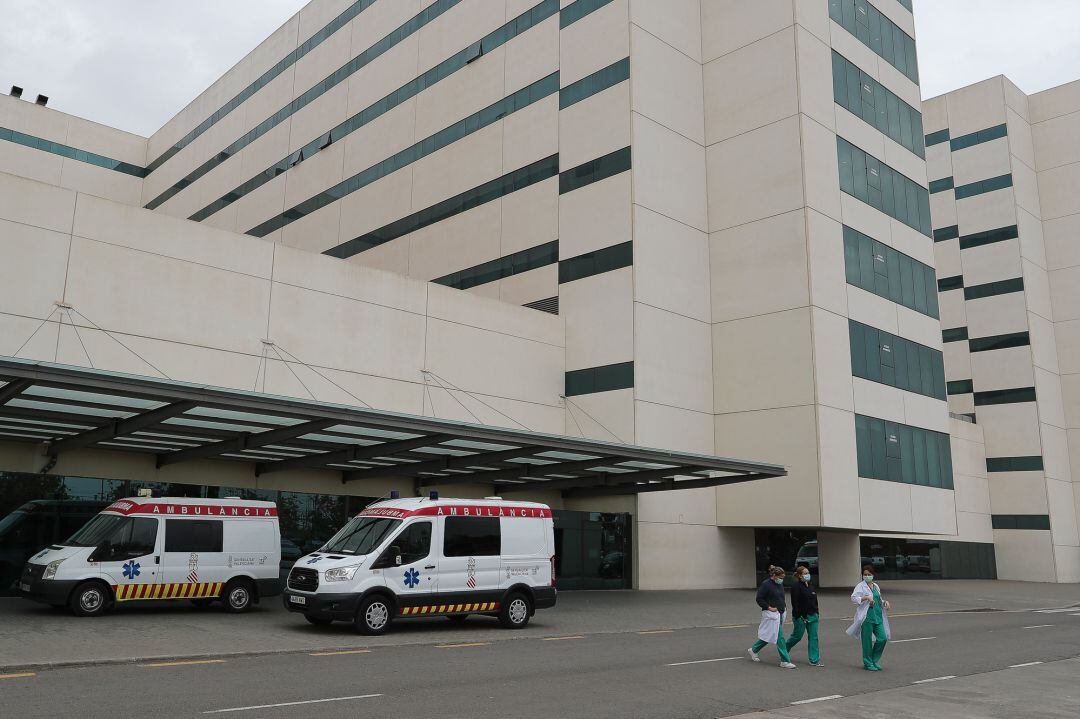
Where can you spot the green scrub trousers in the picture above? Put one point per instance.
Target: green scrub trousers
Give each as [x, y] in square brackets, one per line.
[873, 634]
[806, 625]
[781, 645]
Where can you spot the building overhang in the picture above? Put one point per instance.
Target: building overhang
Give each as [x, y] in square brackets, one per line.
[65, 408]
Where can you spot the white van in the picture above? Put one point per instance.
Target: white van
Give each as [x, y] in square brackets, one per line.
[145, 548]
[425, 557]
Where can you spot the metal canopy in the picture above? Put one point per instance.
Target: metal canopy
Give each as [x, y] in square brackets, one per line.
[67, 408]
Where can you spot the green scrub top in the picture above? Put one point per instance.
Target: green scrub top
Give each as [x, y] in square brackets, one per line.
[873, 615]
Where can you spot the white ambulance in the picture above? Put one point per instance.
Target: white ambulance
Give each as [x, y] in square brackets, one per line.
[426, 557]
[144, 548]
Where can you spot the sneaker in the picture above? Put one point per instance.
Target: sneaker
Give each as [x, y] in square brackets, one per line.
[817, 664]
[753, 655]
[787, 665]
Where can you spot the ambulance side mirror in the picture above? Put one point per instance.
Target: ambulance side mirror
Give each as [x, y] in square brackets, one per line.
[390, 558]
[103, 553]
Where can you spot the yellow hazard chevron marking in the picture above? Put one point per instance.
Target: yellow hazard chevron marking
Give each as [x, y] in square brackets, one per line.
[450, 608]
[201, 590]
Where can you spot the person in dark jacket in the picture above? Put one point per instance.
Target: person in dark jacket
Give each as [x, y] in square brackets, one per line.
[771, 599]
[804, 612]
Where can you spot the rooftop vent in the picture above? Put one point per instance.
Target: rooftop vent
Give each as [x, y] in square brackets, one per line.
[16, 91]
[42, 100]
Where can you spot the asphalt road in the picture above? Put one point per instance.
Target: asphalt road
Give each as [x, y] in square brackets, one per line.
[697, 672]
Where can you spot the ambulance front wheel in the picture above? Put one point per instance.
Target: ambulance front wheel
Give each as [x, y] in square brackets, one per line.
[515, 611]
[373, 616]
[239, 594]
[91, 599]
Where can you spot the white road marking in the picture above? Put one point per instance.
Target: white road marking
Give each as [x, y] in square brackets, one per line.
[701, 661]
[292, 704]
[1038, 626]
[917, 639]
[935, 679]
[1025, 664]
[818, 699]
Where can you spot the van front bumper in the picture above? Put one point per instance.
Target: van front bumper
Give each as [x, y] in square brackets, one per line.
[341, 607]
[47, 591]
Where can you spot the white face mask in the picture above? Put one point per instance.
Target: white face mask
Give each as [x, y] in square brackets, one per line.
[869, 578]
[806, 578]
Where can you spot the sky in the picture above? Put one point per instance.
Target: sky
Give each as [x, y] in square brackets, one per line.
[133, 64]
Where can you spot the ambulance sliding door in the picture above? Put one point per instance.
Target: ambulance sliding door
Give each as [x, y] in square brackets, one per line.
[194, 563]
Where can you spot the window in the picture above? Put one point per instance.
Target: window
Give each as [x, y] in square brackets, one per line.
[946, 233]
[991, 289]
[193, 535]
[978, 239]
[936, 138]
[975, 138]
[882, 357]
[888, 273]
[595, 263]
[72, 153]
[472, 537]
[597, 82]
[595, 170]
[895, 452]
[1005, 396]
[600, 379]
[878, 33]
[361, 535]
[414, 542]
[864, 96]
[955, 334]
[983, 186]
[946, 183]
[530, 259]
[955, 282]
[868, 179]
[999, 342]
[1020, 521]
[960, 386]
[1014, 464]
[579, 9]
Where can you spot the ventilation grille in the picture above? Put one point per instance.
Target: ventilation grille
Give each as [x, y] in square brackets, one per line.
[550, 305]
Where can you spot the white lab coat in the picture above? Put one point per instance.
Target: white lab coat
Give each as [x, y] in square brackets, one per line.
[863, 590]
[769, 629]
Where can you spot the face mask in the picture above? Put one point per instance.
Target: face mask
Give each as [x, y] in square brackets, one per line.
[806, 577]
[778, 580]
[868, 578]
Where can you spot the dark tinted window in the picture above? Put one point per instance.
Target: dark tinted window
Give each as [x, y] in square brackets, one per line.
[472, 537]
[193, 535]
[414, 542]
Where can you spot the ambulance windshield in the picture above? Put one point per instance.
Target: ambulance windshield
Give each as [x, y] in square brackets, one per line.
[97, 530]
[361, 535]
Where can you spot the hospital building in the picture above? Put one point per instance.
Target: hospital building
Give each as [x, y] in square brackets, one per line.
[708, 277]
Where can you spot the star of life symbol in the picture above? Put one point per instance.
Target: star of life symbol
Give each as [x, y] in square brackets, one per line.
[470, 569]
[131, 569]
[412, 578]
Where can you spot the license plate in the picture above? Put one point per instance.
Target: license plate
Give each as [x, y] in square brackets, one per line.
[297, 600]
[23, 586]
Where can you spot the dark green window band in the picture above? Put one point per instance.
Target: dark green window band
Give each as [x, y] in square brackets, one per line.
[597, 82]
[936, 186]
[878, 268]
[955, 334]
[1014, 464]
[978, 239]
[983, 186]
[946, 233]
[597, 262]
[976, 138]
[72, 153]
[999, 342]
[600, 379]
[502, 267]
[895, 452]
[592, 171]
[960, 386]
[1020, 521]
[884, 188]
[955, 282]
[936, 138]
[884, 37]
[991, 289]
[858, 92]
[1019, 395]
[577, 10]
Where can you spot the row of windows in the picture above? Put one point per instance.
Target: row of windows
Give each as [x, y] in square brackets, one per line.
[977, 138]
[991, 289]
[72, 153]
[1014, 464]
[592, 171]
[508, 266]
[960, 386]
[945, 183]
[1020, 521]
[978, 239]
[600, 379]
[888, 273]
[955, 334]
[878, 33]
[307, 46]
[946, 233]
[429, 145]
[984, 186]
[882, 357]
[883, 188]
[955, 282]
[439, 72]
[492, 190]
[597, 82]
[936, 138]
[577, 10]
[596, 262]
[897, 452]
[999, 342]
[877, 105]
[1018, 395]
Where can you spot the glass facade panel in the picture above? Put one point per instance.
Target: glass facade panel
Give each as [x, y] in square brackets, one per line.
[880, 269]
[1014, 464]
[530, 259]
[894, 559]
[878, 361]
[1005, 396]
[978, 239]
[878, 33]
[936, 138]
[922, 455]
[72, 153]
[600, 379]
[593, 550]
[595, 263]
[976, 138]
[984, 186]
[991, 289]
[999, 342]
[595, 170]
[1021, 521]
[911, 201]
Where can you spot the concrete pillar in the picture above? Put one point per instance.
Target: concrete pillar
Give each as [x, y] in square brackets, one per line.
[838, 559]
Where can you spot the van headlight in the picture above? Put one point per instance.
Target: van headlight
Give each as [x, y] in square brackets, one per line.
[341, 574]
[50, 570]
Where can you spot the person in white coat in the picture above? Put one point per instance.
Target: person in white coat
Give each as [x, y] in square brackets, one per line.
[770, 597]
[871, 620]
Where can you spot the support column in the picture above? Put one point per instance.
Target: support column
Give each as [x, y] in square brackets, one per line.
[838, 559]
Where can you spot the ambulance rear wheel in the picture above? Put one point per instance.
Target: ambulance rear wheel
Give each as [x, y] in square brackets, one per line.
[515, 611]
[373, 616]
[91, 599]
[239, 595]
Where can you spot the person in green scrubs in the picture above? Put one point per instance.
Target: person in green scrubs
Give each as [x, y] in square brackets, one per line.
[874, 630]
[804, 612]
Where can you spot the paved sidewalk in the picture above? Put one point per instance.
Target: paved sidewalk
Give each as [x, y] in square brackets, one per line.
[33, 635]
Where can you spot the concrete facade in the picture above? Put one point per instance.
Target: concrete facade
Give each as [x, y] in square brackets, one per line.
[665, 177]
